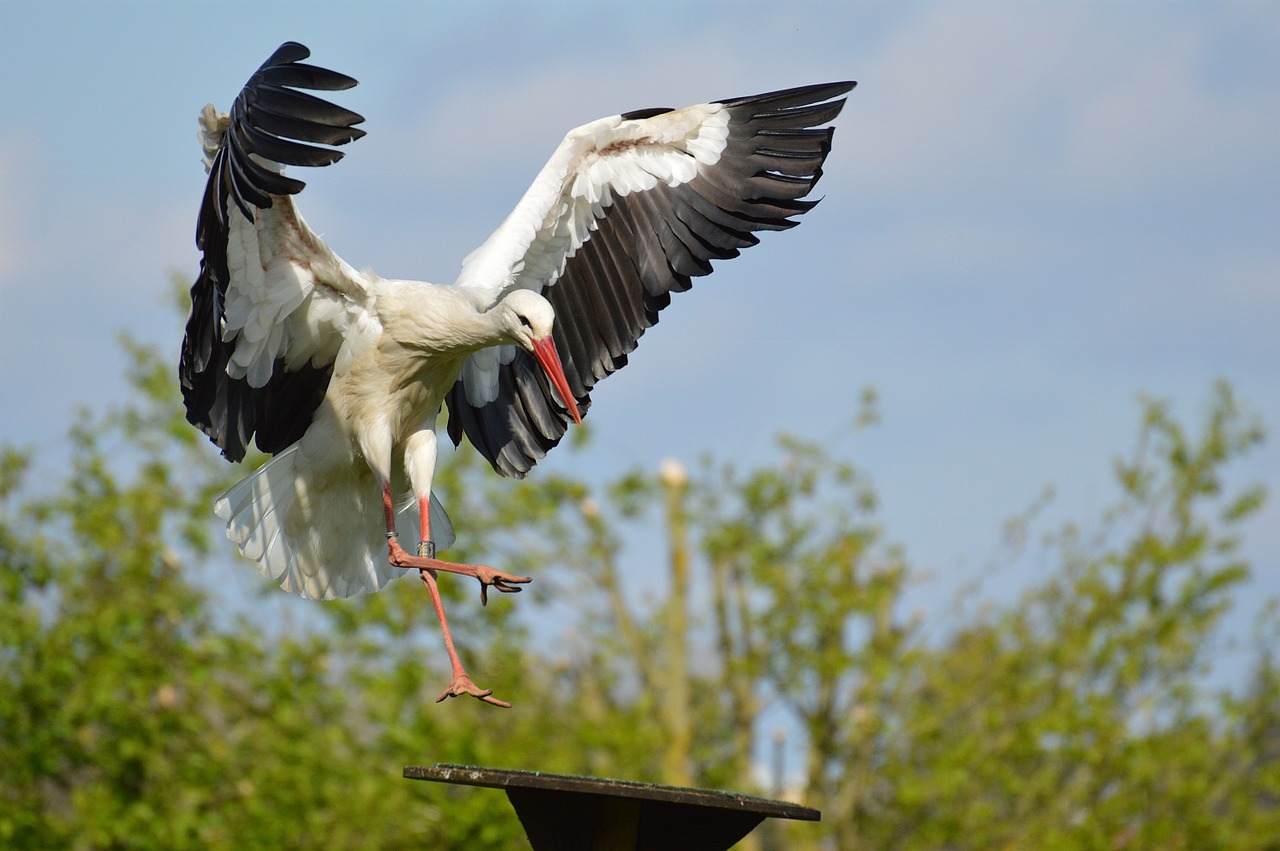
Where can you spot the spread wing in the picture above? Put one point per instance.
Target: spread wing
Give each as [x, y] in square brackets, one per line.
[628, 210]
[273, 310]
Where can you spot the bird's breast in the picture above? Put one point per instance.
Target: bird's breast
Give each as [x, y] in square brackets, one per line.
[398, 385]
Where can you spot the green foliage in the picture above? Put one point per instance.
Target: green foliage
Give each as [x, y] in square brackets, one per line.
[1074, 718]
[140, 708]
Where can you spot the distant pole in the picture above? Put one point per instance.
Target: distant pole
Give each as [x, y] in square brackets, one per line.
[772, 837]
[779, 761]
[676, 768]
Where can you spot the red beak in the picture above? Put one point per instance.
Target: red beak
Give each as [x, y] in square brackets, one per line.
[545, 351]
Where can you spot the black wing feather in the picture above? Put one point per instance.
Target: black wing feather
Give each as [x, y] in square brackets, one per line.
[271, 120]
[307, 107]
[647, 246]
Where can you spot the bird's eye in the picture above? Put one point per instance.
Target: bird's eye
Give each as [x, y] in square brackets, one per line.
[524, 320]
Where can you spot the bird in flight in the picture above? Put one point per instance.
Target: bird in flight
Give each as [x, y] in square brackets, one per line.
[341, 374]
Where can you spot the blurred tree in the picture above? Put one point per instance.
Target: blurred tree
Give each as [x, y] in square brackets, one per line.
[1076, 718]
[135, 712]
[135, 715]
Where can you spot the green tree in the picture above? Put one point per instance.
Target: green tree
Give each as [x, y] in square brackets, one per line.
[141, 708]
[1075, 718]
[133, 714]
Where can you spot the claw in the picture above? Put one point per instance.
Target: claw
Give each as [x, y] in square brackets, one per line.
[504, 582]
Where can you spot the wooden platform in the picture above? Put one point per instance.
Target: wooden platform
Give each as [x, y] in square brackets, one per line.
[561, 812]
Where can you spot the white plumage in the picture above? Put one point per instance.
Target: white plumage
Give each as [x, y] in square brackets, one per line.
[342, 374]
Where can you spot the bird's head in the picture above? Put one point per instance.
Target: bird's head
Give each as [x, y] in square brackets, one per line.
[527, 319]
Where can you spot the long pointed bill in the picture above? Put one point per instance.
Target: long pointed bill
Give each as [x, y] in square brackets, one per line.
[545, 351]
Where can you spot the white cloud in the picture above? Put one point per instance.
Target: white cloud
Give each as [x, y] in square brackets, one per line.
[942, 100]
[486, 126]
[1072, 99]
[1155, 118]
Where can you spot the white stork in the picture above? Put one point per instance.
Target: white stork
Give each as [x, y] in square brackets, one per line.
[341, 374]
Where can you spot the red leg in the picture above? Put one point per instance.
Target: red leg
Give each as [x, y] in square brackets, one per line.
[500, 579]
[461, 683]
[424, 528]
[426, 565]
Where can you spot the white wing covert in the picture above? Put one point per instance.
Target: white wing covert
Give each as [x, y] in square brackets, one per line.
[628, 210]
[272, 308]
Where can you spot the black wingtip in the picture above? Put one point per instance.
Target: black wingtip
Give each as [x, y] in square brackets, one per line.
[290, 51]
[798, 96]
[275, 119]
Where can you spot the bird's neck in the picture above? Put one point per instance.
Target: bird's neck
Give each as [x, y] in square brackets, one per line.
[439, 321]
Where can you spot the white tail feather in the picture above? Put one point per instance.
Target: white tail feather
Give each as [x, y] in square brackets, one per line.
[321, 543]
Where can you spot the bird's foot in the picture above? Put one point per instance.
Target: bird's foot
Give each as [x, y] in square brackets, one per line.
[461, 684]
[507, 583]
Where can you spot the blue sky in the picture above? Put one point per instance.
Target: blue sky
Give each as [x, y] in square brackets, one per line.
[1033, 213]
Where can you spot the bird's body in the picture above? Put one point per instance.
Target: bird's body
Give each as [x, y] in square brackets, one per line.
[342, 374]
[385, 393]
